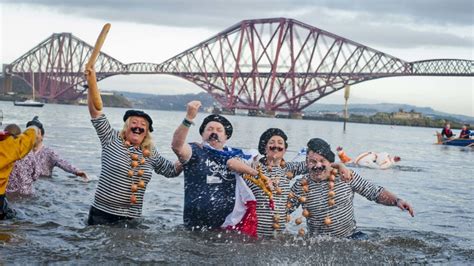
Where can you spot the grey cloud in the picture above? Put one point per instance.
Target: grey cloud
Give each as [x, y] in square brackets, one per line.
[198, 13]
[387, 23]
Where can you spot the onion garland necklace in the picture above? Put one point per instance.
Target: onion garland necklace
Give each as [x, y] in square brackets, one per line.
[135, 170]
[303, 199]
[270, 186]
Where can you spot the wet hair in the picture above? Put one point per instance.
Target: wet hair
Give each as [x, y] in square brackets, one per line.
[13, 129]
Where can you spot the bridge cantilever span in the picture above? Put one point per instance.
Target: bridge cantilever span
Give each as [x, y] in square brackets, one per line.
[269, 65]
[443, 67]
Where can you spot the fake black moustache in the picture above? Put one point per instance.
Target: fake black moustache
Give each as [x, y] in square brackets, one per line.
[315, 168]
[137, 130]
[275, 148]
[214, 136]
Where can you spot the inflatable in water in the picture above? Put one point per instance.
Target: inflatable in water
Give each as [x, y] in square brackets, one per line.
[374, 160]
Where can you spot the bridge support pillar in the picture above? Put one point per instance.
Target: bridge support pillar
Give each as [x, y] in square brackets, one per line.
[296, 115]
[253, 113]
[261, 113]
[7, 81]
[270, 113]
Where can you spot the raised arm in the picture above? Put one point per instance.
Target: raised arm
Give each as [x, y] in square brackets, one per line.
[13, 149]
[93, 94]
[180, 147]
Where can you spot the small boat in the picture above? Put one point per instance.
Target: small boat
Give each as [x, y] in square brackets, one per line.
[29, 103]
[454, 141]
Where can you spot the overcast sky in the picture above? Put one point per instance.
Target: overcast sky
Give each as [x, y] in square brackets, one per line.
[153, 31]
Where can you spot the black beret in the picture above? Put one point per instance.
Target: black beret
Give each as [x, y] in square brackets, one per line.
[140, 114]
[220, 119]
[35, 122]
[322, 148]
[267, 135]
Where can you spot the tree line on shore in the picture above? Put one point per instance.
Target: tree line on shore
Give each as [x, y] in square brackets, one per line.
[388, 119]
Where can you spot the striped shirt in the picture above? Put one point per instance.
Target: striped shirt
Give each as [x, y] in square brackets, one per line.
[342, 212]
[265, 214]
[114, 190]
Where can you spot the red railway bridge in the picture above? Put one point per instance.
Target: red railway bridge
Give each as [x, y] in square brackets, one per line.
[262, 65]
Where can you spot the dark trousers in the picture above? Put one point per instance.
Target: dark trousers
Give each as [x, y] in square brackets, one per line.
[5, 211]
[359, 236]
[97, 217]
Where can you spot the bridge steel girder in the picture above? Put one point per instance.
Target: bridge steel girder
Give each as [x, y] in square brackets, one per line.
[270, 65]
[55, 67]
[285, 65]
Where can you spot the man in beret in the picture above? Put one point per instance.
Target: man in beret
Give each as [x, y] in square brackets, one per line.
[209, 186]
[327, 201]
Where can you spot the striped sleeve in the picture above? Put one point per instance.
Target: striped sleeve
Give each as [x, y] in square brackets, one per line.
[163, 166]
[104, 130]
[297, 168]
[364, 187]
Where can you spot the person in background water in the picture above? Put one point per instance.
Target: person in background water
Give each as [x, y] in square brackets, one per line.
[209, 186]
[128, 160]
[39, 162]
[270, 200]
[374, 160]
[446, 132]
[465, 132]
[47, 158]
[327, 201]
[13, 147]
[24, 173]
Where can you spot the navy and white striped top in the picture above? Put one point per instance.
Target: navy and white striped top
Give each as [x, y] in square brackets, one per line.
[114, 189]
[342, 212]
[265, 214]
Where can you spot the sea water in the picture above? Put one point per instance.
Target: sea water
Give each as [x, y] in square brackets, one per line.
[436, 180]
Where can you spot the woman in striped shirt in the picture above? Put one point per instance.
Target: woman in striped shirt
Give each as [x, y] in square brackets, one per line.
[327, 202]
[128, 160]
[273, 145]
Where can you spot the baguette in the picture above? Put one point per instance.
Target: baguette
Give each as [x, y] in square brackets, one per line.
[93, 90]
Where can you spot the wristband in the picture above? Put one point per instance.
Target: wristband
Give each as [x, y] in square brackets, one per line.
[187, 123]
[397, 201]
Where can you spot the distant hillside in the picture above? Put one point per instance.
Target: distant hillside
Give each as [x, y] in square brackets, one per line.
[371, 109]
[167, 102]
[178, 103]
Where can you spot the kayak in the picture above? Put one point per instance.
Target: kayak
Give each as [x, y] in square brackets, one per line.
[454, 142]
